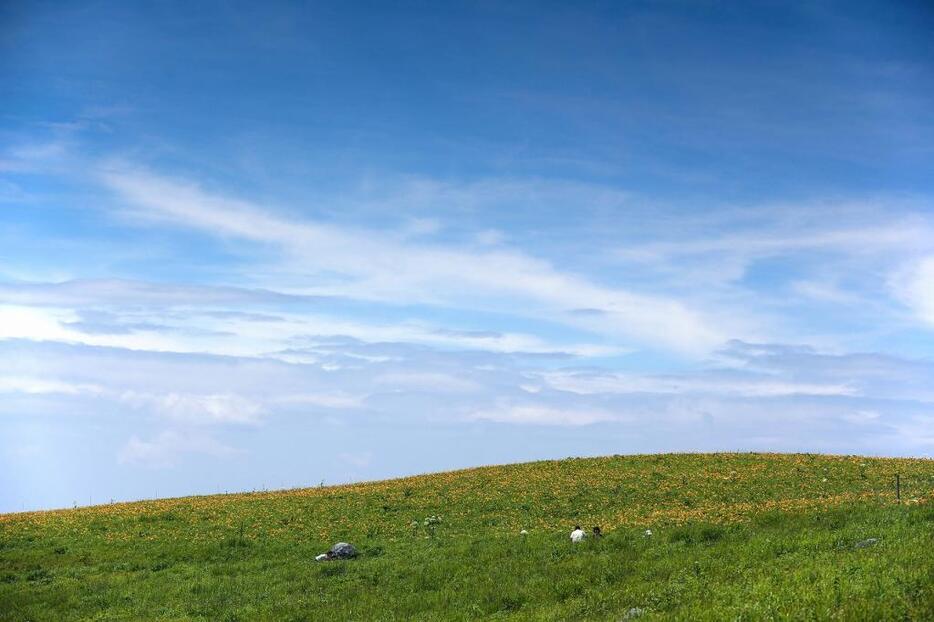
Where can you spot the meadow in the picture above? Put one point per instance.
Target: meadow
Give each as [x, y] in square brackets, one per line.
[732, 537]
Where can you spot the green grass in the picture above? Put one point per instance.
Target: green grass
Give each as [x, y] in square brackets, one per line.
[735, 537]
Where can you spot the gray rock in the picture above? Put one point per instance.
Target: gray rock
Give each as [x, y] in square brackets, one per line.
[633, 613]
[342, 550]
[866, 543]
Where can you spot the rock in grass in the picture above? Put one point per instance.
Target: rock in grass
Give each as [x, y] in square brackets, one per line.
[342, 550]
[633, 613]
[862, 544]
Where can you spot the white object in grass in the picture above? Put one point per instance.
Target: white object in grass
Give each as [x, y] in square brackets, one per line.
[577, 535]
[648, 532]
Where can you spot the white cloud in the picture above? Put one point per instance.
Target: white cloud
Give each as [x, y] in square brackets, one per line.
[385, 267]
[198, 409]
[536, 414]
[434, 382]
[154, 316]
[39, 386]
[87, 292]
[323, 400]
[915, 286]
[710, 383]
[491, 237]
[168, 447]
[417, 227]
[34, 157]
[18, 322]
[195, 406]
[862, 240]
[831, 252]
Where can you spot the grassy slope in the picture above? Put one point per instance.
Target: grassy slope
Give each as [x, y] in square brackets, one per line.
[746, 536]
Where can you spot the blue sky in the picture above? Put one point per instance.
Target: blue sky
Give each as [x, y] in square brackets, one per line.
[269, 245]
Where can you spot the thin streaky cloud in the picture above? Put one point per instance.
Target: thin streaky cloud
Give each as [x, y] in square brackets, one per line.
[380, 266]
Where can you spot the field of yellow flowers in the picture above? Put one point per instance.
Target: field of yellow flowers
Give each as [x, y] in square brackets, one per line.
[687, 536]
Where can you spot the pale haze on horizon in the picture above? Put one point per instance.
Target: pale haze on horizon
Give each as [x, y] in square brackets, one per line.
[266, 245]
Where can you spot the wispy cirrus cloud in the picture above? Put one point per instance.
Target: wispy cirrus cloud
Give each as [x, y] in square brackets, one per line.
[840, 251]
[519, 413]
[409, 404]
[911, 233]
[167, 448]
[198, 322]
[384, 267]
[416, 384]
[197, 409]
[914, 286]
[722, 383]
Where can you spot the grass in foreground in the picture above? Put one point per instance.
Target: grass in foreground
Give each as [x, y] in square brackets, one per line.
[734, 536]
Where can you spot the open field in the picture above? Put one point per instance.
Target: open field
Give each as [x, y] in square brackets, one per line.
[734, 536]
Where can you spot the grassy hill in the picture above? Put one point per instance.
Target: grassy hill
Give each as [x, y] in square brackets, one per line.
[734, 536]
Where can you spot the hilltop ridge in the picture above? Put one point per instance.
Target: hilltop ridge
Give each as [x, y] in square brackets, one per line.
[728, 520]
